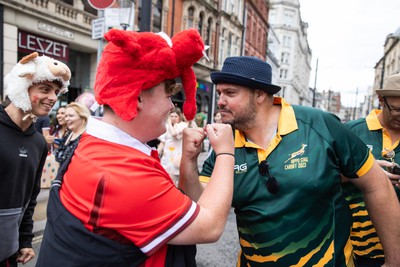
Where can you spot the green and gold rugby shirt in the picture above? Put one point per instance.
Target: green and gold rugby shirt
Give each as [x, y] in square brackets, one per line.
[363, 235]
[307, 223]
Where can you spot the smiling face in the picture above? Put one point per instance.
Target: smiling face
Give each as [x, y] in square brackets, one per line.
[43, 96]
[60, 116]
[155, 106]
[73, 120]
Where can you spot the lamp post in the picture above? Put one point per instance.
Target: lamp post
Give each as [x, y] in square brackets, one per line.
[315, 85]
[125, 13]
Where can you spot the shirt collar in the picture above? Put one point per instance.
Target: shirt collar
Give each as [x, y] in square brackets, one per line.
[373, 121]
[110, 133]
[287, 123]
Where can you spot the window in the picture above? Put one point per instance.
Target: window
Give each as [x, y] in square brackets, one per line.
[286, 41]
[86, 7]
[200, 24]
[208, 35]
[272, 16]
[229, 50]
[236, 47]
[285, 57]
[283, 73]
[69, 2]
[221, 46]
[157, 19]
[288, 17]
[191, 17]
[232, 6]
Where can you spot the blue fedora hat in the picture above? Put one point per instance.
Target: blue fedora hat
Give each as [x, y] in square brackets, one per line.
[247, 71]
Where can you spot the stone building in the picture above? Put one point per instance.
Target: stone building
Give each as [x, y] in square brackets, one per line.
[59, 29]
[387, 65]
[293, 53]
[63, 29]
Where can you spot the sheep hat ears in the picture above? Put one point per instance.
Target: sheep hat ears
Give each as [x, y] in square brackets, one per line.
[34, 69]
[136, 61]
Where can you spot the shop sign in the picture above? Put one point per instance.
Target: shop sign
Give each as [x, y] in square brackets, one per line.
[53, 29]
[28, 43]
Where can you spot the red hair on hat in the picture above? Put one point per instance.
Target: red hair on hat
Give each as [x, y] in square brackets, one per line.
[136, 61]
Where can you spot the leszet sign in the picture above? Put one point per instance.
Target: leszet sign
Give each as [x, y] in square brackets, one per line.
[28, 43]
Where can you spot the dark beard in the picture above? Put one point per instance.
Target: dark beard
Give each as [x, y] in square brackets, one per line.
[246, 118]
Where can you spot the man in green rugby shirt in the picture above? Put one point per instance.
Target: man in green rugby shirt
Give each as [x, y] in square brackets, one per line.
[380, 131]
[288, 200]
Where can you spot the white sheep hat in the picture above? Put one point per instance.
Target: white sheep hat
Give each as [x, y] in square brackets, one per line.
[34, 69]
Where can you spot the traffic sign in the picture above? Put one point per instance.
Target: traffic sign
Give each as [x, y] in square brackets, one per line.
[98, 28]
[101, 4]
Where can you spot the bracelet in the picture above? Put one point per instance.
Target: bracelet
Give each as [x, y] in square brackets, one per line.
[226, 153]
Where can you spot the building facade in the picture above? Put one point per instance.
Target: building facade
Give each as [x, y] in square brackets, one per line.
[293, 53]
[59, 29]
[256, 28]
[388, 64]
[63, 29]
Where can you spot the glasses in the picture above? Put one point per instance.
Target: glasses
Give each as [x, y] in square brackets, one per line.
[397, 110]
[272, 183]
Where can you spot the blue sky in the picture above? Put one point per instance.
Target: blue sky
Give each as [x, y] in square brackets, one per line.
[347, 37]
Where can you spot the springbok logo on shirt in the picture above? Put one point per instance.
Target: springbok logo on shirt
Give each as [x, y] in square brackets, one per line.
[297, 153]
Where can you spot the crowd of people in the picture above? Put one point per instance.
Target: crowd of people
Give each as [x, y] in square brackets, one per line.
[307, 190]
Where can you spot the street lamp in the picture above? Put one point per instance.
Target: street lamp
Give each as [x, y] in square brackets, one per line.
[315, 85]
[125, 13]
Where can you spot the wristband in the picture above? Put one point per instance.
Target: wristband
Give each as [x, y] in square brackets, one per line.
[230, 154]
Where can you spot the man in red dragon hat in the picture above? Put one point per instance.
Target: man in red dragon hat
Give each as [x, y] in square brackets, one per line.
[115, 205]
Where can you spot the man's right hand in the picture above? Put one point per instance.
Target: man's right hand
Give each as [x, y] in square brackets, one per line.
[221, 137]
[191, 143]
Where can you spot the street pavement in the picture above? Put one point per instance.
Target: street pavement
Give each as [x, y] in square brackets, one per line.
[223, 253]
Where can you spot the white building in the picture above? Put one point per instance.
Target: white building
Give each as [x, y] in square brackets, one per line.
[388, 64]
[293, 53]
[272, 54]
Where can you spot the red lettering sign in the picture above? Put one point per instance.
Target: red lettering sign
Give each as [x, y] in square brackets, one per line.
[28, 43]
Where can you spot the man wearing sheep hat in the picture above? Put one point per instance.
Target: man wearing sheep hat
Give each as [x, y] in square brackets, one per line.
[32, 87]
[116, 205]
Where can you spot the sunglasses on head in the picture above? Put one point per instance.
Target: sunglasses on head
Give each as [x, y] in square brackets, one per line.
[272, 183]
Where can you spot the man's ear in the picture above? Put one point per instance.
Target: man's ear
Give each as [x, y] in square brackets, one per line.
[140, 103]
[261, 95]
[381, 102]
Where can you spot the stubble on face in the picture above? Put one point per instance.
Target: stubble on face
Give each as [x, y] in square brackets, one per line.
[244, 118]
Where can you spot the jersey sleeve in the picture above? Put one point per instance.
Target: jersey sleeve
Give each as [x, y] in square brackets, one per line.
[354, 156]
[207, 169]
[131, 195]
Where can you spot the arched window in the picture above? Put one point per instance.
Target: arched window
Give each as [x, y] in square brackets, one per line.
[222, 46]
[200, 24]
[191, 17]
[208, 34]
[86, 7]
[157, 16]
[229, 50]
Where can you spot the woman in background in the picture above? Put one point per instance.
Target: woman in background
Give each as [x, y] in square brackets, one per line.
[76, 117]
[59, 131]
[170, 147]
[217, 117]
